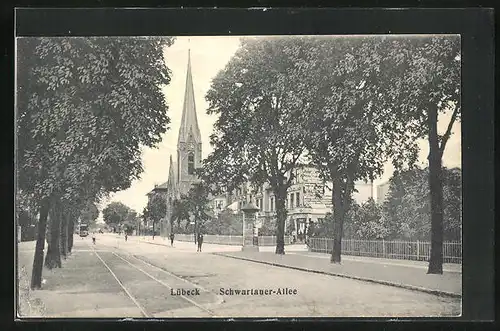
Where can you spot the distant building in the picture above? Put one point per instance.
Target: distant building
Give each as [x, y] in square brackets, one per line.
[382, 192]
[308, 199]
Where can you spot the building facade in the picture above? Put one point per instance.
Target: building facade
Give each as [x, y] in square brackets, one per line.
[308, 199]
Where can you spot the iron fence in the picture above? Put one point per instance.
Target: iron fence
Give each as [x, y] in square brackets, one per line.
[402, 250]
[230, 239]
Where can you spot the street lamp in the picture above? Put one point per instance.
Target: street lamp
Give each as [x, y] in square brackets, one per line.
[250, 243]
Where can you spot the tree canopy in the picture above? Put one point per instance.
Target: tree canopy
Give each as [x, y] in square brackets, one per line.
[85, 108]
[407, 213]
[89, 213]
[115, 213]
[156, 208]
[84, 112]
[259, 133]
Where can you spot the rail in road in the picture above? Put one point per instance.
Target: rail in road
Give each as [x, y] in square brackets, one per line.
[153, 290]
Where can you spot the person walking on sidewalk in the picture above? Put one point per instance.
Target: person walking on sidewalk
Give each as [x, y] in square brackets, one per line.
[126, 237]
[172, 239]
[200, 241]
[93, 238]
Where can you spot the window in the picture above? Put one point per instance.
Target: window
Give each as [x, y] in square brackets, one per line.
[261, 205]
[291, 200]
[297, 201]
[191, 163]
[271, 207]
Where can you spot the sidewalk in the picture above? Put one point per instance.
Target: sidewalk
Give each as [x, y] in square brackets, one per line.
[83, 287]
[185, 246]
[400, 273]
[405, 274]
[208, 247]
[29, 305]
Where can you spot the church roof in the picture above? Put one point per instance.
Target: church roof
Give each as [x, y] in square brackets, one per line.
[160, 187]
[189, 121]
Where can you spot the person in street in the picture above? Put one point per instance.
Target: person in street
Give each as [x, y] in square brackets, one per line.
[126, 236]
[93, 238]
[172, 239]
[200, 241]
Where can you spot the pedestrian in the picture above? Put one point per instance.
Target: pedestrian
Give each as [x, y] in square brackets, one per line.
[126, 236]
[200, 241]
[93, 238]
[172, 239]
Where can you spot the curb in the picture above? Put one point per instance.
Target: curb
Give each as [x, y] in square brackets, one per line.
[158, 244]
[364, 279]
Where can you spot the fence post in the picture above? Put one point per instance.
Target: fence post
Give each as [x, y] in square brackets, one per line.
[383, 248]
[418, 250]
[326, 245]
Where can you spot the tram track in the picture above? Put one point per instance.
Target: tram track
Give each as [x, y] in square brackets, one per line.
[134, 297]
[134, 300]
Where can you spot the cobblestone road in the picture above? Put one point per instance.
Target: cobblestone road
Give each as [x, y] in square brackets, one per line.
[115, 278]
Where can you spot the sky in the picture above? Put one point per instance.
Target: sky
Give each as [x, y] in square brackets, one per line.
[209, 55]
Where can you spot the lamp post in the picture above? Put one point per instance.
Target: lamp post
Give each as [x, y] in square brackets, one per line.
[250, 243]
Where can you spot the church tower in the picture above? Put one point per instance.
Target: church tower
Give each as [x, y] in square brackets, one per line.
[189, 141]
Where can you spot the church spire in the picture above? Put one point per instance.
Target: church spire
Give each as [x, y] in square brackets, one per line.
[171, 174]
[189, 121]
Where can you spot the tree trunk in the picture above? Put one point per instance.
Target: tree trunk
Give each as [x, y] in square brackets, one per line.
[338, 220]
[53, 256]
[71, 233]
[436, 193]
[64, 235]
[281, 214]
[194, 232]
[36, 274]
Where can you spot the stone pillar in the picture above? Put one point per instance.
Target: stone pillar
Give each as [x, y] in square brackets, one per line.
[250, 241]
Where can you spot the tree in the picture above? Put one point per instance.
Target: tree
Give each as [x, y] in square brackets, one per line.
[89, 213]
[196, 202]
[230, 223]
[85, 98]
[365, 221]
[180, 212]
[268, 227]
[259, 133]
[156, 209]
[346, 80]
[430, 86]
[26, 210]
[145, 218]
[115, 214]
[130, 222]
[406, 211]
[452, 197]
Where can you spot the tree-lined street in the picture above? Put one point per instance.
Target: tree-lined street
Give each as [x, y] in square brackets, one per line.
[115, 278]
[333, 110]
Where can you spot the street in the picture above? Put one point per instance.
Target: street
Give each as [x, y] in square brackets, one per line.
[118, 278]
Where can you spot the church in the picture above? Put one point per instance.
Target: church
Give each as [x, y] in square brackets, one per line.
[189, 146]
